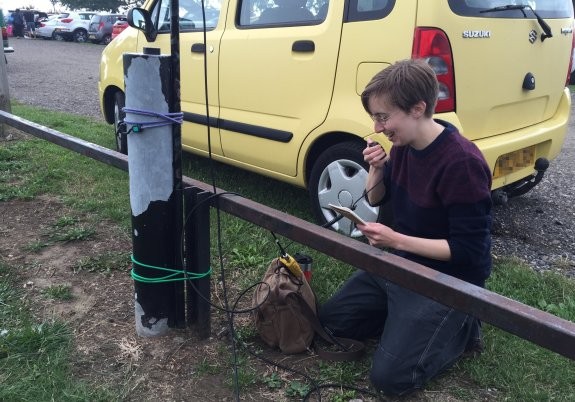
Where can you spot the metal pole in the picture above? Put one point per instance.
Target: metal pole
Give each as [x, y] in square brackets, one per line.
[197, 226]
[154, 193]
[4, 90]
[175, 107]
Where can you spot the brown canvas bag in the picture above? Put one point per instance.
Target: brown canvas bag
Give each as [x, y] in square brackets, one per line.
[277, 315]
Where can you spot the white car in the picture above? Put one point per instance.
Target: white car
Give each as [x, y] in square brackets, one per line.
[74, 27]
[45, 29]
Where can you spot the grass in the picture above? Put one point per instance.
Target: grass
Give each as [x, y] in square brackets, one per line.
[65, 229]
[34, 357]
[512, 368]
[59, 292]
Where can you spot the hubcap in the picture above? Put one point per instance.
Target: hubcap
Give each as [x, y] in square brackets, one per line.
[342, 183]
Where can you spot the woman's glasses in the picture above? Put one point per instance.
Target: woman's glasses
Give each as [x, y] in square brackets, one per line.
[381, 118]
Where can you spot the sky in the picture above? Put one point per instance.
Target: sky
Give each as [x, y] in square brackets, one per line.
[43, 5]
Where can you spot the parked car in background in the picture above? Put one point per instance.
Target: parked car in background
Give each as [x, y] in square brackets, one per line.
[285, 90]
[119, 26]
[100, 28]
[45, 29]
[8, 21]
[7, 47]
[38, 16]
[74, 27]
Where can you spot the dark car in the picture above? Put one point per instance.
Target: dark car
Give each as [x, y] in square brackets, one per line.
[100, 29]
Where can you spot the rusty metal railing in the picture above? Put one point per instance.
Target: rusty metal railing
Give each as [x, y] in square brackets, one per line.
[539, 327]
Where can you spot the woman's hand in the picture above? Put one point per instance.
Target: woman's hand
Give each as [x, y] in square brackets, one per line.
[379, 235]
[374, 154]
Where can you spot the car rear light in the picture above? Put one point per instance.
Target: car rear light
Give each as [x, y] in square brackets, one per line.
[4, 33]
[66, 20]
[101, 26]
[432, 45]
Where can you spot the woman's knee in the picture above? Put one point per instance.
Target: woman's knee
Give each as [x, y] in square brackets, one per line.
[392, 375]
[390, 382]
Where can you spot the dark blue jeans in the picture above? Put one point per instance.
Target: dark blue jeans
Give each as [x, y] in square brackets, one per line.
[419, 337]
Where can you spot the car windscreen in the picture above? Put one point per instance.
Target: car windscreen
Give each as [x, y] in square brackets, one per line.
[512, 9]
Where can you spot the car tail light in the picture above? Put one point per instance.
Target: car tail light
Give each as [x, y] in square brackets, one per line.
[4, 33]
[42, 25]
[66, 20]
[101, 26]
[432, 45]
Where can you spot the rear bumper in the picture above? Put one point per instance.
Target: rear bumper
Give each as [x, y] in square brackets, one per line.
[64, 32]
[95, 36]
[547, 136]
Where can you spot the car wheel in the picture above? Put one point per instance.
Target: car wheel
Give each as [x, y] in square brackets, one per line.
[119, 116]
[80, 36]
[58, 36]
[338, 177]
[106, 39]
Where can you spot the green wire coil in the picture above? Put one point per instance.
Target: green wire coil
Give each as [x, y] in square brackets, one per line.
[168, 278]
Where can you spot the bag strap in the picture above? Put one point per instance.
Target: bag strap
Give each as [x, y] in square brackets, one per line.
[349, 349]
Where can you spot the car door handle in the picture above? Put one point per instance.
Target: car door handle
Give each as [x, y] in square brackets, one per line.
[199, 48]
[303, 46]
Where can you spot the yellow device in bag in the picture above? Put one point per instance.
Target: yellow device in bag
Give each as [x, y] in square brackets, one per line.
[292, 265]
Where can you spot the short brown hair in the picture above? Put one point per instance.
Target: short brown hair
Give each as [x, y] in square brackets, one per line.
[404, 83]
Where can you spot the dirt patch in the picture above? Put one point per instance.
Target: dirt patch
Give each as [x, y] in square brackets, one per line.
[101, 309]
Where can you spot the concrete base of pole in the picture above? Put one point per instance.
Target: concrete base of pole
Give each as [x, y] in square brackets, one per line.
[149, 326]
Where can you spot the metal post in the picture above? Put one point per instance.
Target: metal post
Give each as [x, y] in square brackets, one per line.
[154, 195]
[175, 107]
[197, 227]
[4, 91]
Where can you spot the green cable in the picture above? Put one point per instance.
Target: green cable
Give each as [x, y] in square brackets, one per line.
[168, 278]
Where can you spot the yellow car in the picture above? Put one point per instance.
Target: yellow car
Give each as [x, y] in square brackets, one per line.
[284, 78]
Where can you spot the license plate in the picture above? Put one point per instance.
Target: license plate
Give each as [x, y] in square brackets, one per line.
[514, 161]
[92, 36]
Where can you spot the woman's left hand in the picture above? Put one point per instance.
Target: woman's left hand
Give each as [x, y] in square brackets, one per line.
[379, 235]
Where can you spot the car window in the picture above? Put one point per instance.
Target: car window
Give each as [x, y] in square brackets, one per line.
[544, 8]
[191, 16]
[257, 13]
[365, 10]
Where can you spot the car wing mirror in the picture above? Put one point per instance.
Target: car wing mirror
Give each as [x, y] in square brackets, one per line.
[140, 19]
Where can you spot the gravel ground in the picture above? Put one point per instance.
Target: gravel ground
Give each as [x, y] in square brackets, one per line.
[56, 75]
[537, 227]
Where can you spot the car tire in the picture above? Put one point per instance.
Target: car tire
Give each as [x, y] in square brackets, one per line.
[106, 39]
[338, 177]
[80, 36]
[119, 116]
[58, 36]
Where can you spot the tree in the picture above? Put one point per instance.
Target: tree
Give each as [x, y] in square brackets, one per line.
[100, 5]
[54, 2]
